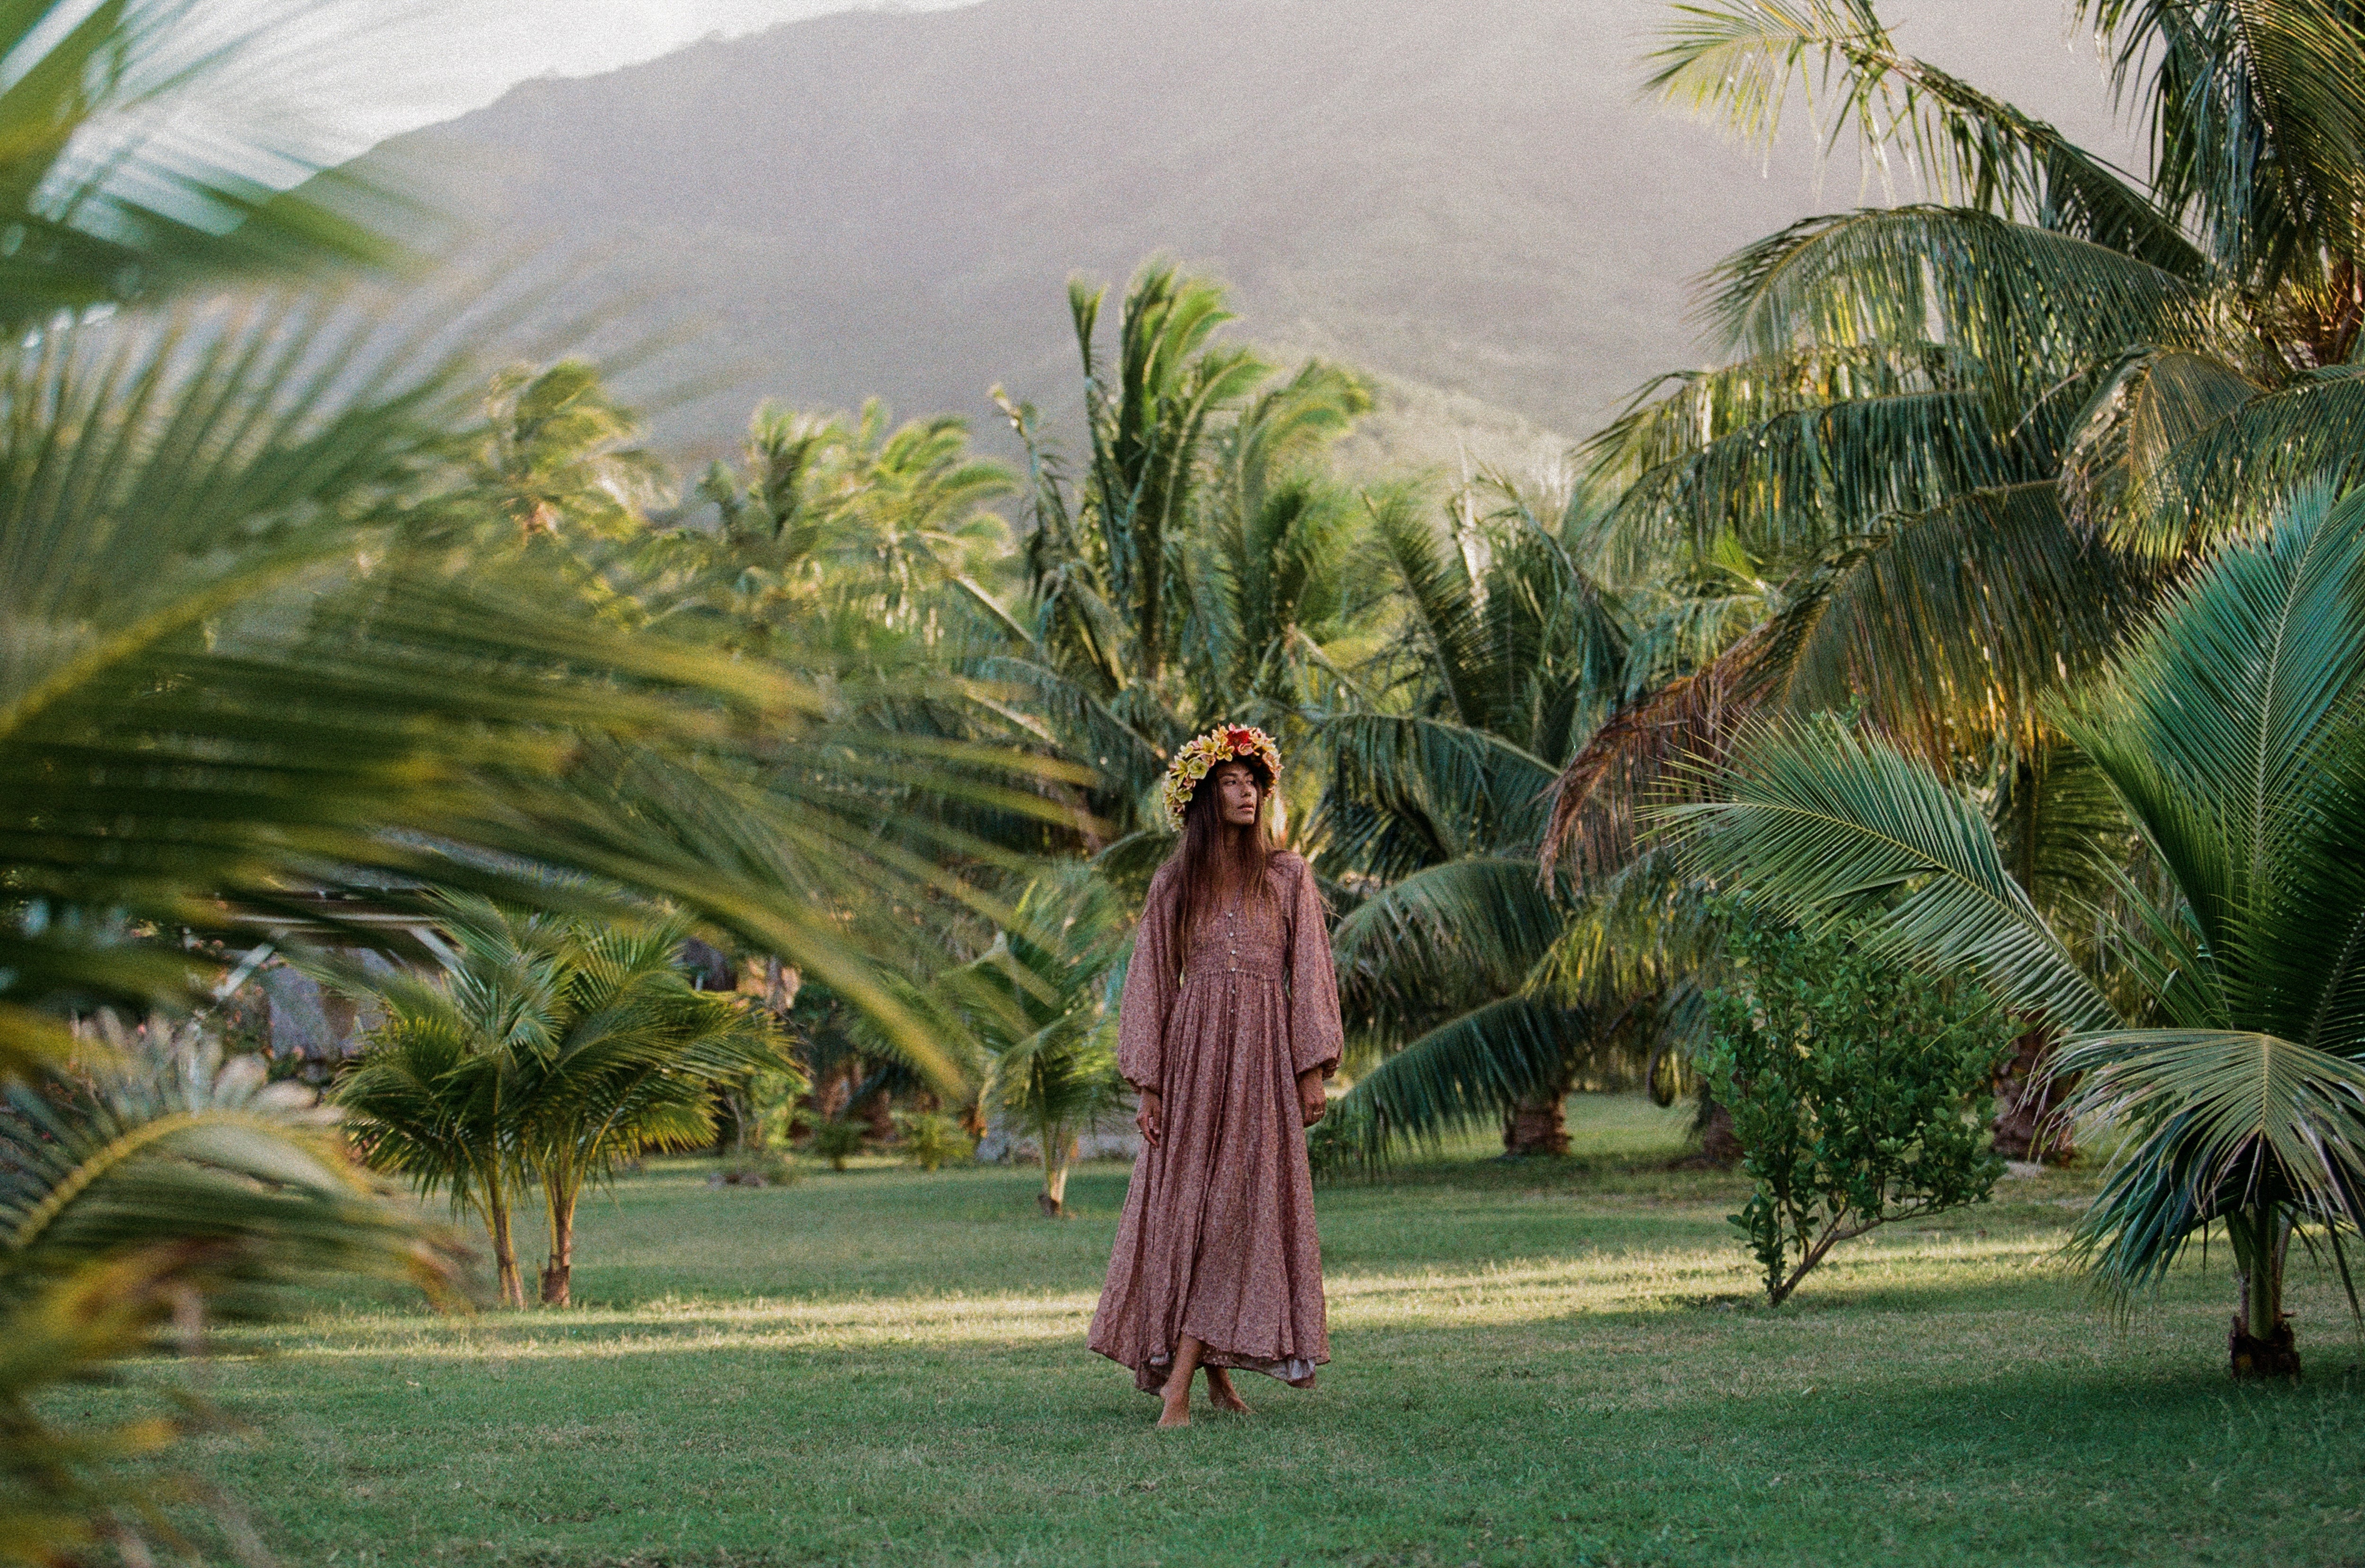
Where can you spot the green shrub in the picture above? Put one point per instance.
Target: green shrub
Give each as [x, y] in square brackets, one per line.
[931, 1140]
[839, 1141]
[758, 1168]
[1858, 1090]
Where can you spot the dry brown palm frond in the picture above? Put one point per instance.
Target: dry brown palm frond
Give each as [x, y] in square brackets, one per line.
[1638, 753]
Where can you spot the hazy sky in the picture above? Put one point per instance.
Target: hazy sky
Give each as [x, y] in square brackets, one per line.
[410, 62]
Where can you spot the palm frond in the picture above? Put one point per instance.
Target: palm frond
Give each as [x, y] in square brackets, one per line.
[2032, 307]
[1787, 452]
[1407, 792]
[1467, 1072]
[109, 199]
[2220, 1121]
[1742, 58]
[1643, 750]
[2231, 731]
[1651, 926]
[1824, 825]
[1464, 928]
[1962, 622]
[2239, 458]
[2256, 130]
[1444, 599]
[179, 1146]
[2122, 470]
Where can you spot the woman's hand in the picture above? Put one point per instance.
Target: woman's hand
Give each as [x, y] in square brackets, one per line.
[1312, 1102]
[1146, 1119]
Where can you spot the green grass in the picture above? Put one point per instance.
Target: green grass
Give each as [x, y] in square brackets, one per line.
[1536, 1363]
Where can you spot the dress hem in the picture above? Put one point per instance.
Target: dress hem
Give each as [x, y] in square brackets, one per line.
[1297, 1371]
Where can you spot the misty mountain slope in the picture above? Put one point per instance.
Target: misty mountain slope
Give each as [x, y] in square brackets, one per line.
[1466, 197]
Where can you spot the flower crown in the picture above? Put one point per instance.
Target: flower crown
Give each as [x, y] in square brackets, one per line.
[1199, 758]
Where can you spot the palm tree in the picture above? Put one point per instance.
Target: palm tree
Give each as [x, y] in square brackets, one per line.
[429, 1101]
[1176, 579]
[551, 1051]
[1433, 813]
[1971, 437]
[2231, 1045]
[1041, 1007]
[1965, 441]
[557, 456]
[827, 521]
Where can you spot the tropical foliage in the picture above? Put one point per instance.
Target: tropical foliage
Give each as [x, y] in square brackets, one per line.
[549, 1052]
[1040, 1006]
[1968, 440]
[287, 641]
[2224, 1033]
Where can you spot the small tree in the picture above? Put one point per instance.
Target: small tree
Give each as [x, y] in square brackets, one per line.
[551, 1051]
[1858, 1090]
[1040, 1006]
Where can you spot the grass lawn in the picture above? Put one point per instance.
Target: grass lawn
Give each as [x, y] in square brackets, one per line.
[1536, 1363]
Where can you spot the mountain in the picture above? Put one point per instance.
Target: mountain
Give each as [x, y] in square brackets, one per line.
[1467, 197]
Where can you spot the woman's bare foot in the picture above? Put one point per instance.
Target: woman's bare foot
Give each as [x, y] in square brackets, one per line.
[1223, 1396]
[1177, 1390]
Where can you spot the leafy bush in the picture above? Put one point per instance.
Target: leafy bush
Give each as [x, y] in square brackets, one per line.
[757, 1167]
[931, 1140]
[1858, 1090]
[839, 1141]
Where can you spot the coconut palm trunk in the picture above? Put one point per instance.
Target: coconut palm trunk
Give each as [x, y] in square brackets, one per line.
[560, 1194]
[494, 1207]
[2260, 1344]
[1060, 1146]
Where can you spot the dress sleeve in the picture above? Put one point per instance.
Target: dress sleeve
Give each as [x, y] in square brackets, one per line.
[1315, 1032]
[1150, 982]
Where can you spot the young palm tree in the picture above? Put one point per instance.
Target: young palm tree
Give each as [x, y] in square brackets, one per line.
[552, 1050]
[1041, 1007]
[2232, 1047]
[431, 1098]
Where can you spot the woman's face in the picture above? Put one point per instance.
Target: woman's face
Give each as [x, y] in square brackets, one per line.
[1237, 793]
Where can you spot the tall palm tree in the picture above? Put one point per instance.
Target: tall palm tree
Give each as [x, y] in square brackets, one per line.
[2231, 1045]
[1973, 435]
[1174, 580]
[1433, 812]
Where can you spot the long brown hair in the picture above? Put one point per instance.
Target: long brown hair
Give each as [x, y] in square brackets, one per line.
[1216, 859]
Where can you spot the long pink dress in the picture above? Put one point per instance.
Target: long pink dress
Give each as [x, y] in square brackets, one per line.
[1217, 1239]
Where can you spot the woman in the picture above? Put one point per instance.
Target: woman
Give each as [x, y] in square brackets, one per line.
[1229, 1026]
